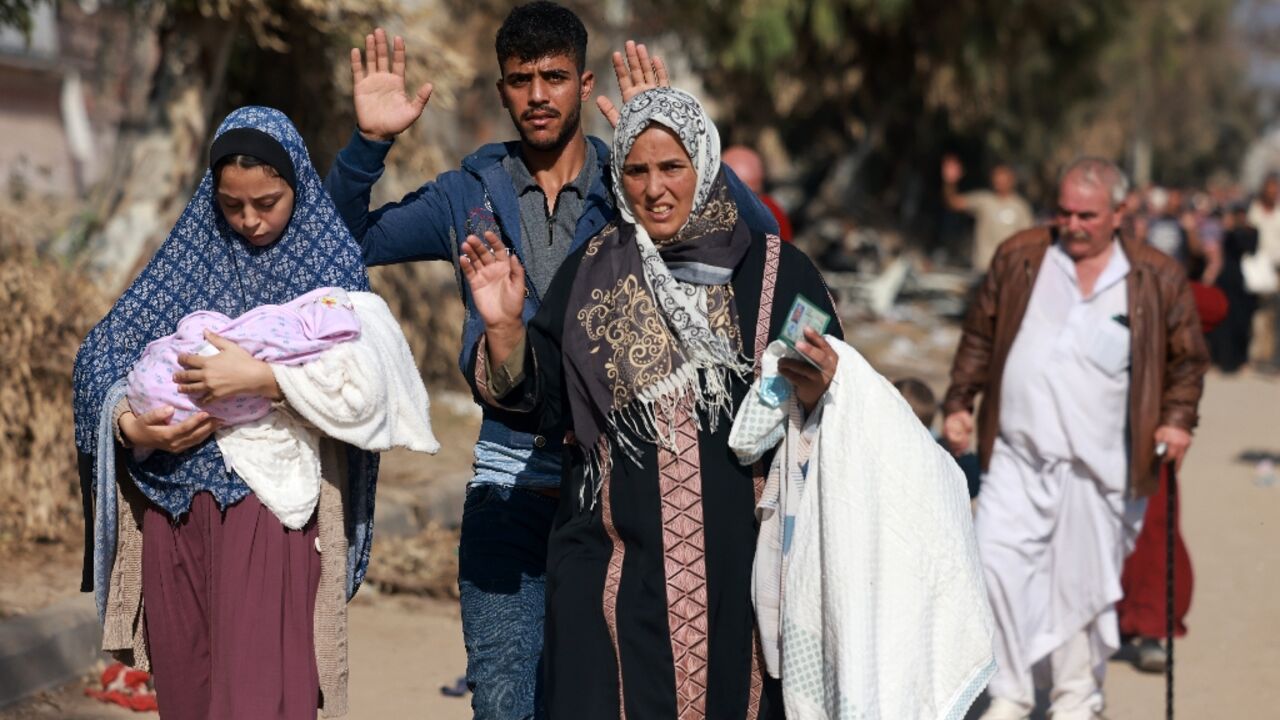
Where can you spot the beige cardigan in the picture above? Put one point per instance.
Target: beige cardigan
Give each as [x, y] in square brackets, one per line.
[123, 633]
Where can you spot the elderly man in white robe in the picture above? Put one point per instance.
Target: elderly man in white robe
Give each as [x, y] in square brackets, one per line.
[1087, 351]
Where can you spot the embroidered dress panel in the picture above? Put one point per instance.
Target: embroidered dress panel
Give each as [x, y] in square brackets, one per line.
[768, 283]
[684, 548]
[613, 576]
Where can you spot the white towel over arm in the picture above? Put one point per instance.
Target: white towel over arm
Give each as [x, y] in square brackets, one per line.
[883, 609]
[366, 392]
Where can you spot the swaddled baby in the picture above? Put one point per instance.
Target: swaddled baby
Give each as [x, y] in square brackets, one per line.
[288, 334]
[275, 454]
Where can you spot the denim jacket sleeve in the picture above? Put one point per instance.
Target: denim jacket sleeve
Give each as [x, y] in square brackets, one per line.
[415, 228]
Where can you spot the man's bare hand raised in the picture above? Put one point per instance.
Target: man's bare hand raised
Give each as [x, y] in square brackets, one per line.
[637, 71]
[383, 108]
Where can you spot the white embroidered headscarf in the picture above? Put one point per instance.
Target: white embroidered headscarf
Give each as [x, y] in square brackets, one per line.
[680, 282]
[680, 112]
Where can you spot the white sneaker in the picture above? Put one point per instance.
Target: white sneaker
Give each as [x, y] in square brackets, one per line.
[1152, 656]
[1002, 709]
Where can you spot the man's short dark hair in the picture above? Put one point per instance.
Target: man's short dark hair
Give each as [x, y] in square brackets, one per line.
[541, 29]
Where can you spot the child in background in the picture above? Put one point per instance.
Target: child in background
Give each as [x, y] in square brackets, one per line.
[925, 405]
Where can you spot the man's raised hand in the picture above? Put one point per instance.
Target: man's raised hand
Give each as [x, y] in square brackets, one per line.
[637, 71]
[383, 108]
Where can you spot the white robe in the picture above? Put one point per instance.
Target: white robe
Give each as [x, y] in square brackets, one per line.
[1053, 522]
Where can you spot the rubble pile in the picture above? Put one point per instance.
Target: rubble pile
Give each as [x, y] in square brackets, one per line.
[422, 564]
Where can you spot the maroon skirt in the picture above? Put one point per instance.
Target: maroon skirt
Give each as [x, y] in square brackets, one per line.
[230, 598]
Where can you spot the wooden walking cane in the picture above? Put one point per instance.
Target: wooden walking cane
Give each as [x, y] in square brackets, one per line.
[1171, 515]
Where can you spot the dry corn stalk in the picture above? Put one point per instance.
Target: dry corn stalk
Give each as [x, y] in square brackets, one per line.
[48, 311]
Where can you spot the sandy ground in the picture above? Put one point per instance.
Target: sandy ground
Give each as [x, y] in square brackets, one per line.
[403, 649]
[37, 575]
[1226, 666]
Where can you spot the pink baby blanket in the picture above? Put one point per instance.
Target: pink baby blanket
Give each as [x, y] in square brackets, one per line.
[288, 334]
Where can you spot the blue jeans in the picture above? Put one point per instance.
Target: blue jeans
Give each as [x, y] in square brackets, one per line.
[502, 569]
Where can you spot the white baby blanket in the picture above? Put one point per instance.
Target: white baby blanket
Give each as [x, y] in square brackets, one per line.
[365, 392]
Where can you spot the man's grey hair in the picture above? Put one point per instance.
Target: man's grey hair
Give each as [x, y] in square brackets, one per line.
[1101, 172]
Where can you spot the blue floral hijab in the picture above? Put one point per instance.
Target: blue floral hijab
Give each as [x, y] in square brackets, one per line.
[205, 265]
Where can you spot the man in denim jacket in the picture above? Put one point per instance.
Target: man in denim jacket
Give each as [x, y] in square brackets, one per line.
[545, 194]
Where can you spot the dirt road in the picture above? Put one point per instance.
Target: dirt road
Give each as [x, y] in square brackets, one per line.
[404, 649]
[1225, 666]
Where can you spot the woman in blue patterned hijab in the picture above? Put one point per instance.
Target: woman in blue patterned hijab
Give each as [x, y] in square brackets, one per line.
[259, 229]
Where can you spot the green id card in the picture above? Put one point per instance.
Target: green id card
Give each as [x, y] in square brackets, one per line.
[803, 314]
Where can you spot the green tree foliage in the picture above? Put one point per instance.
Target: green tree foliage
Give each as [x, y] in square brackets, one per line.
[17, 14]
[893, 83]
[1174, 87]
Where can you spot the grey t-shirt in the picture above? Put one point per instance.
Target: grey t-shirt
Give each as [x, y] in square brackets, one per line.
[995, 219]
[547, 236]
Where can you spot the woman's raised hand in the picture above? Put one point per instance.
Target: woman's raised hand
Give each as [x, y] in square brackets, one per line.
[636, 72]
[497, 285]
[496, 278]
[383, 108]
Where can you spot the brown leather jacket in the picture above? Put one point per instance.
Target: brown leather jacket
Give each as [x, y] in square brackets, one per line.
[1168, 353]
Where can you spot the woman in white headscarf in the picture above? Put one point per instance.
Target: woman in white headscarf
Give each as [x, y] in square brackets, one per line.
[642, 350]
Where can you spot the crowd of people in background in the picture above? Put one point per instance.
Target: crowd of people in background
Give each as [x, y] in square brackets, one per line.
[658, 369]
[1228, 240]
[1227, 237]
